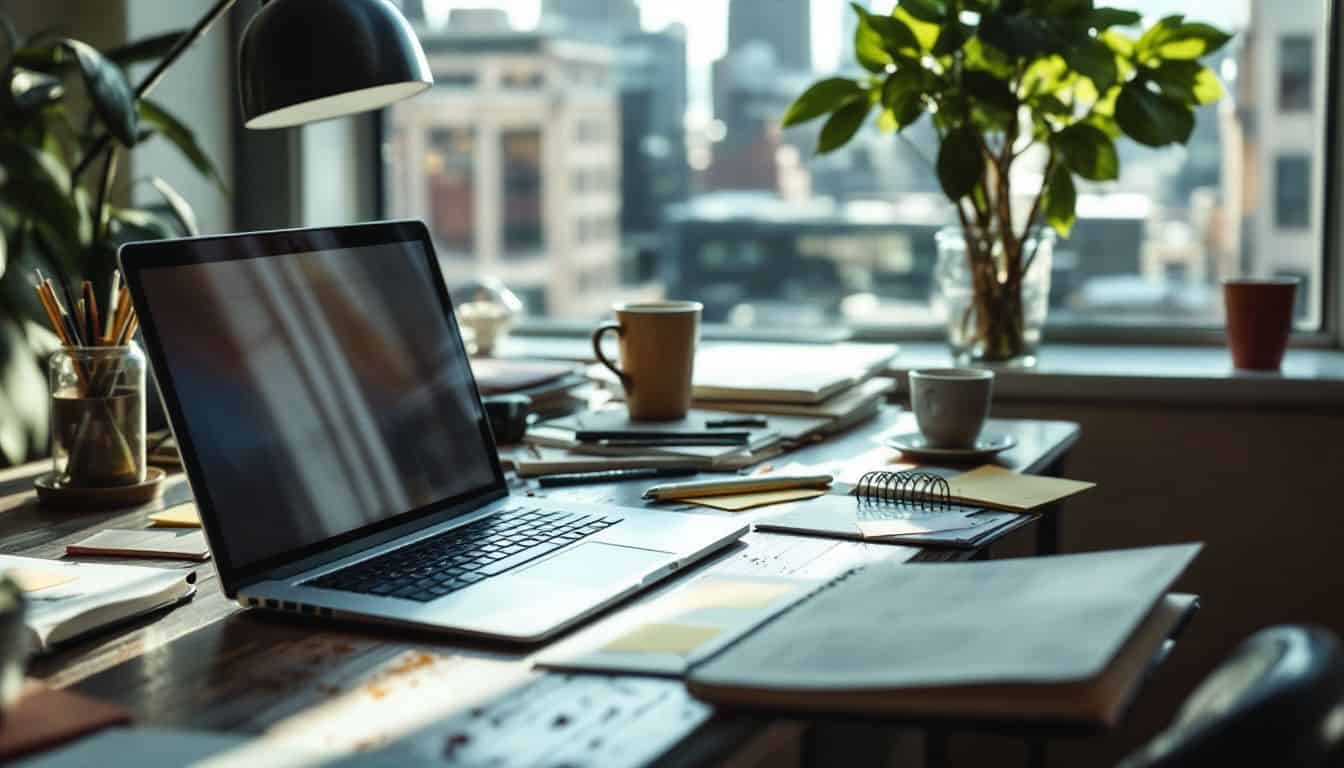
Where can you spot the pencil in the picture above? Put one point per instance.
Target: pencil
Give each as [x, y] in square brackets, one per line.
[91, 308]
[114, 292]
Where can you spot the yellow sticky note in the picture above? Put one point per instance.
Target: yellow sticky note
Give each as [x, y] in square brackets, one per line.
[740, 501]
[180, 516]
[680, 639]
[34, 579]
[727, 593]
[997, 487]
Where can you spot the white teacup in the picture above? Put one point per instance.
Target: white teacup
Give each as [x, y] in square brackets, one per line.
[951, 404]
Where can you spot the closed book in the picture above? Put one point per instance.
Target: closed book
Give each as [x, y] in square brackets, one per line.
[1060, 640]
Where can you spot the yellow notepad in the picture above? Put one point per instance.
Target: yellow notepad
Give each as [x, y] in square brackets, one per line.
[680, 639]
[180, 516]
[740, 501]
[999, 488]
[35, 579]
[715, 592]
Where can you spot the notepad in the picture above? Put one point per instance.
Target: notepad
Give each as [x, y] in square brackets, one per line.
[36, 579]
[183, 545]
[180, 516]
[742, 501]
[680, 639]
[920, 525]
[999, 488]
[716, 592]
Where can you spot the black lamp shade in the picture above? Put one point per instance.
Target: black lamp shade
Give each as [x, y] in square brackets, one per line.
[307, 60]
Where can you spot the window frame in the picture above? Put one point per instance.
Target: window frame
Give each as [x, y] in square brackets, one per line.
[1329, 335]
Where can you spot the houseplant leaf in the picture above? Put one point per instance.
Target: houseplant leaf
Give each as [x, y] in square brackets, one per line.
[1017, 34]
[989, 90]
[182, 137]
[1105, 18]
[931, 11]
[869, 48]
[1087, 151]
[108, 89]
[960, 164]
[1151, 118]
[1188, 81]
[823, 97]
[1060, 200]
[842, 125]
[181, 209]
[30, 89]
[1094, 61]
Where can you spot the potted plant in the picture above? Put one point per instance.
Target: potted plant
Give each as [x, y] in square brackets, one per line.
[68, 118]
[1048, 85]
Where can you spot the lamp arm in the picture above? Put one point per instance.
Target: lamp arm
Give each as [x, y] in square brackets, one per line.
[156, 74]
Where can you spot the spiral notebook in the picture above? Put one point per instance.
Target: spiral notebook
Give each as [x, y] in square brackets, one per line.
[1065, 638]
[911, 508]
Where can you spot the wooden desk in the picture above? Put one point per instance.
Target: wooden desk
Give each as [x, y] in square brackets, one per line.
[210, 665]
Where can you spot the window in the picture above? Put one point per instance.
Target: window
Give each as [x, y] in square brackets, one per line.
[670, 156]
[520, 154]
[1295, 68]
[450, 178]
[1292, 185]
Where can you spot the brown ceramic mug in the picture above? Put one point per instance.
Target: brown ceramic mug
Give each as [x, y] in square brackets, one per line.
[1259, 320]
[657, 346]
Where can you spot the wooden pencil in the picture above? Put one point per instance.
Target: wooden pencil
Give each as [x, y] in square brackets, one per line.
[91, 308]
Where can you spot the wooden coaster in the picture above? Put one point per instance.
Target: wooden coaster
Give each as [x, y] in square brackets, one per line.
[54, 495]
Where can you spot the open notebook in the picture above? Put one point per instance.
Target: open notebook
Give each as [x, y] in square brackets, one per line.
[68, 599]
[1057, 639]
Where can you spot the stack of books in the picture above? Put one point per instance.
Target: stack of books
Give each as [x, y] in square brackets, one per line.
[839, 383]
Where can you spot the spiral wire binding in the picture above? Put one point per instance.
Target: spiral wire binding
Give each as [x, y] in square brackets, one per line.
[922, 490]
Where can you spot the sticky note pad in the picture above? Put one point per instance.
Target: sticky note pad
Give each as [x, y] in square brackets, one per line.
[180, 516]
[680, 639]
[740, 501]
[728, 593]
[35, 579]
[182, 545]
[1000, 488]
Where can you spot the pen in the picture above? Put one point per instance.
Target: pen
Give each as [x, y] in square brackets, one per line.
[688, 440]
[613, 475]
[698, 488]
[628, 435]
[749, 421]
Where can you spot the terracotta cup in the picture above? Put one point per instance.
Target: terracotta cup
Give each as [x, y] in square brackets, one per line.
[1259, 319]
[657, 346]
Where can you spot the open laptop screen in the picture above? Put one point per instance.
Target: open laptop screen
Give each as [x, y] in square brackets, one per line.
[323, 392]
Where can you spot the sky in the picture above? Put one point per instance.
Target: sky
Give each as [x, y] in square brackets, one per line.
[707, 25]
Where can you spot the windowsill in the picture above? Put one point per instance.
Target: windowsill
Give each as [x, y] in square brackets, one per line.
[1096, 373]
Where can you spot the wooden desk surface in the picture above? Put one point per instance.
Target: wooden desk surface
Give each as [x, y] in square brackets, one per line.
[208, 664]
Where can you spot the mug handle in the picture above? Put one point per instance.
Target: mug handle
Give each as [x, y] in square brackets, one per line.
[601, 358]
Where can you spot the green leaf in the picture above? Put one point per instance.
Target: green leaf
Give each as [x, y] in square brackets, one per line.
[987, 59]
[926, 34]
[1105, 18]
[148, 49]
[30, 89]
[1088, 151]
[1094, 61]
[1060, 200]
[821, 98]
[1120, 44]
[112, 96]
[37, 185]
[131, 225]
[1187, 81]
[1151, 118]
[841, 127]
[869, 48]
[1192, 40]
[1058, 7]
[960, 164]
[183, 138]
[897, 38]
[931, 11]
[989, 91]
[1017, 35]
[951, 38]
[181, 209]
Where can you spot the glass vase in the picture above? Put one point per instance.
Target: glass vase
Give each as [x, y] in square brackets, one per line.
[97, 416]
[990, 320]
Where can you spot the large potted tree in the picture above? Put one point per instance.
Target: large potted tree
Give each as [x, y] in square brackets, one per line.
[1046, 86]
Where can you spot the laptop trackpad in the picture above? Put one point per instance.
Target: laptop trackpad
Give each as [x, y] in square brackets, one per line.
[596, 564]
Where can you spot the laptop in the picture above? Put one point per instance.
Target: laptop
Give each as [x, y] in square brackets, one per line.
[332, 433]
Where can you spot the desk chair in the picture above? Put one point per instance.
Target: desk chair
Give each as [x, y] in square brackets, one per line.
[1278, 701]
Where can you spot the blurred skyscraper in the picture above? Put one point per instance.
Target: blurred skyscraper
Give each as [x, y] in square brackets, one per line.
[785, 25]
[593, 19]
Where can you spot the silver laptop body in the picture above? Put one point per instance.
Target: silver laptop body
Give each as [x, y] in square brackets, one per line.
[332, 433]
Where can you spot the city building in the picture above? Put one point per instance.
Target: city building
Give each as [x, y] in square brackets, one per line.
[513, 160]
[604, 20]
[784, 25]
[1280, 96]
[751, 93]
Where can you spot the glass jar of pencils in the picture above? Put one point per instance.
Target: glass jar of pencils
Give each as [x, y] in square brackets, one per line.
[98, 416]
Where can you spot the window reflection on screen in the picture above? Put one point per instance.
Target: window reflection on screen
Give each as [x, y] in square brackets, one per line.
[322, 391]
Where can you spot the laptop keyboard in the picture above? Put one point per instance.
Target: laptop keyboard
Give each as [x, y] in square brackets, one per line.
[452, 560]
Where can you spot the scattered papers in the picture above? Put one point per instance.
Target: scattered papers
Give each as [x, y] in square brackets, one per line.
[918, 525]
[680, 639]
[183, 545]
[1000, 488]
[728, 593]
[741, 501]
[35, 579]
[180, 516]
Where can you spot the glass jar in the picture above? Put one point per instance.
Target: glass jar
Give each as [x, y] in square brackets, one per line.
[97, 416]
[993, 324]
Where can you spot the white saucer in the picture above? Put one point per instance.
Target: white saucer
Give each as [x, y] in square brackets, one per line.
[913, 445]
